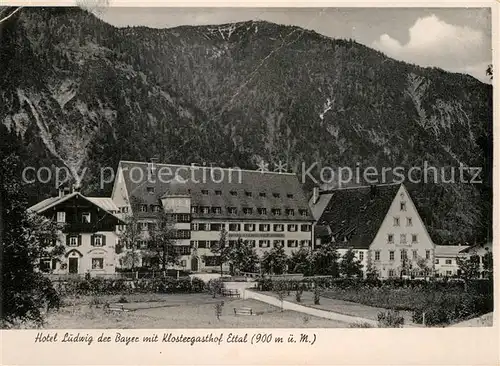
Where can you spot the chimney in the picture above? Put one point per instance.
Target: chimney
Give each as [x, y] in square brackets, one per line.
[75, 188]
[61, 191]
[315, 195]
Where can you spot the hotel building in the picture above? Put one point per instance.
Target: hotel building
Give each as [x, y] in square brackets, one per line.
[266, 209]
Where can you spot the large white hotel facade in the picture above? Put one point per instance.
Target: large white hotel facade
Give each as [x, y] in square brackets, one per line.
[266, 209]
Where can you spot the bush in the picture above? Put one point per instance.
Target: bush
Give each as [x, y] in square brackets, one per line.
[298, 294]
[122, 300]
[390, 319]
[103, 286]
[449, 309]
[215, 286]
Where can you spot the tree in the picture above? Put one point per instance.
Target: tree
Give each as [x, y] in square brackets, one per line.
[371, 272]
[350, 266]
[326, 261]
[280, 288]
[489, 71]
[275, 261]
[221, 249]
[488, 264]
[243, 257]
[24, 239]
[301, 262]
[424, 266]
[129, 239]
[162, 241]
[469, 267]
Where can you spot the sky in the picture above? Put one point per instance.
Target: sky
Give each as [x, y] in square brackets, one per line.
[454, 39]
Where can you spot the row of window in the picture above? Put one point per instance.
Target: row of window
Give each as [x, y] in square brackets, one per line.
[51, 264]
[152, 208]
[205, 192]
[253, 243]
[250, 227]
[85, 217]
[403, 254]
[246, 193]
[95, 240]
[231, 210]
[409, 221]
[447, 261]
[402, 238]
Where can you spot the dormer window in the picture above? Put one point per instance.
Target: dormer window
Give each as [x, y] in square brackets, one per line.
[276, 195]
[205, 209]
[289, 195]
[216, 210]
[248, 194]
[150, 190]
[204, 192]
[290, 212]
[233, 193]
[262, 194]
[194, 209]
[86, 217]
[232, 210]
[303, 213]
[247, 210]
[276, 211]
[262, 211]
[143, 208]
[218, 193]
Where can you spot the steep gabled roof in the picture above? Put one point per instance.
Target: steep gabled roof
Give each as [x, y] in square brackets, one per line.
[104, 203]
[357, 213]
[218, 187]
[40, 206]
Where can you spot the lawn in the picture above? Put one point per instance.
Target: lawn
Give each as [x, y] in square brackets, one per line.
[341, 306]
[181, 311]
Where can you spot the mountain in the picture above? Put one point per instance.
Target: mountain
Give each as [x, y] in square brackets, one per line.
[80, 93]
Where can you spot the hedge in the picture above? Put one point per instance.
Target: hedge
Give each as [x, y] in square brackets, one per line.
[102, 286]
[266, 284]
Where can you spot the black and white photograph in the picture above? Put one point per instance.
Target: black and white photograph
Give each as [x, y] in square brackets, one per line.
[184, 168]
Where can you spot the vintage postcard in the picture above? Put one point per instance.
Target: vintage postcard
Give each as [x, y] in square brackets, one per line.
[258, 184]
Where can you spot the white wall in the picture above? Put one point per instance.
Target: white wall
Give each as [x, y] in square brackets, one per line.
[380, 243]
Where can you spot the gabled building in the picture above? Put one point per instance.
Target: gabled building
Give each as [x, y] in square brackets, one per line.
[265, 209]
[87, 230]
[445, 262]
[380, 223]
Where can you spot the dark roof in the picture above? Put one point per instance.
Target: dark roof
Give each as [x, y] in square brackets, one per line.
[218, 187]
[103, 203]
[357, 213]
